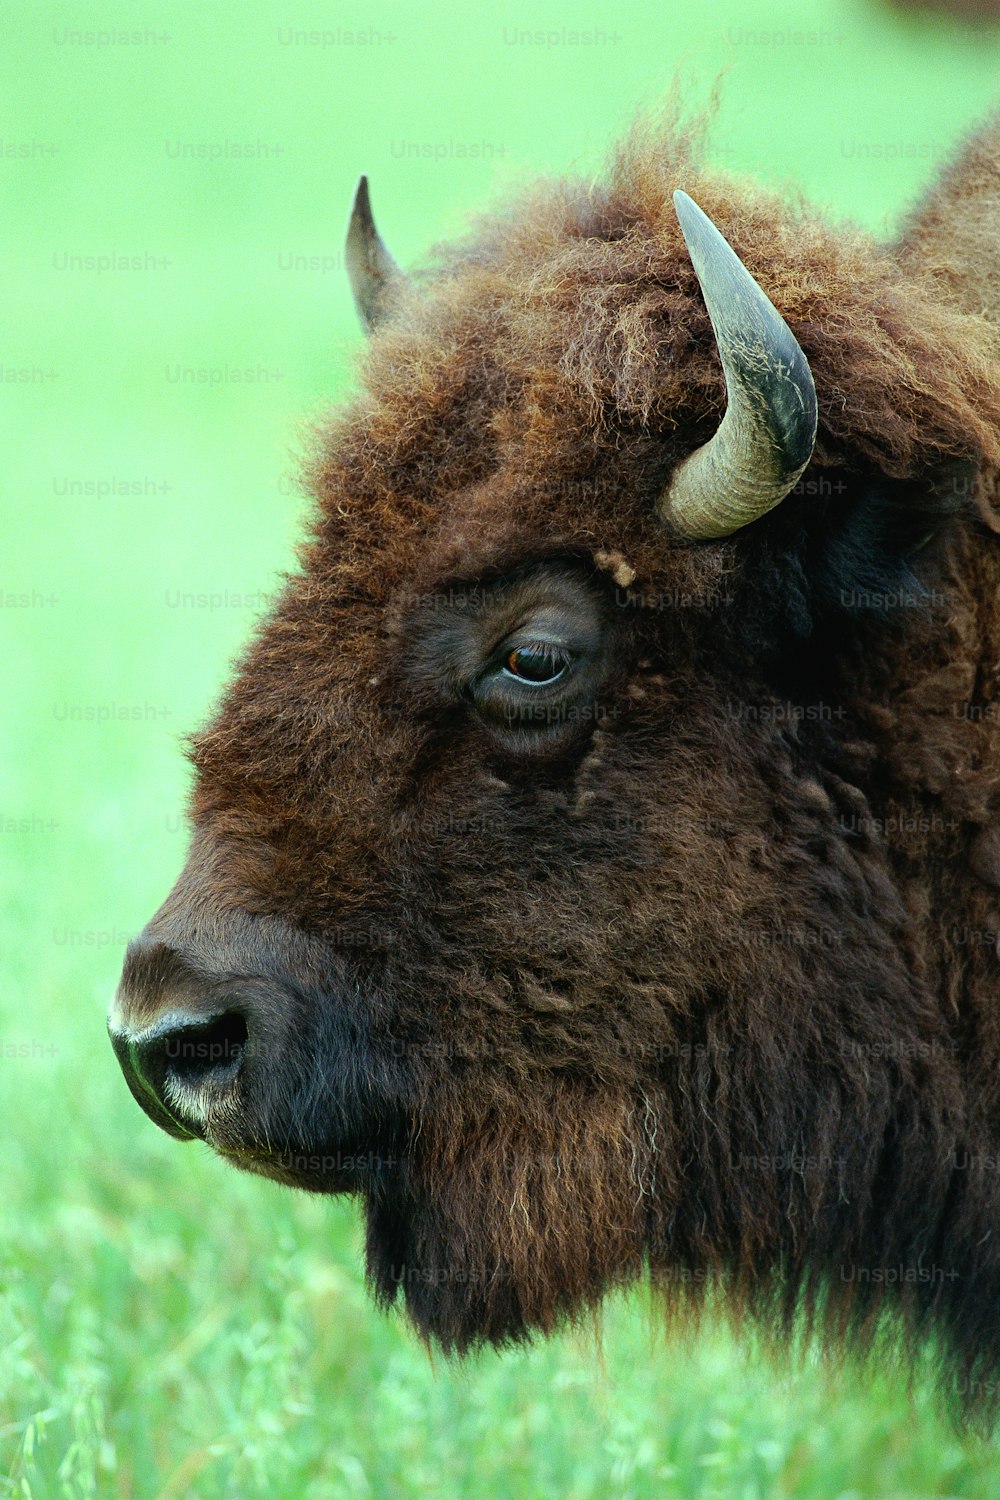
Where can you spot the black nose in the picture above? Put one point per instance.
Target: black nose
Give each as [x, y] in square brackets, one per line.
[177, 1067]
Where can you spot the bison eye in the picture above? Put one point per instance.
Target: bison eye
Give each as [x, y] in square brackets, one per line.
[529, 657]
[538, 663]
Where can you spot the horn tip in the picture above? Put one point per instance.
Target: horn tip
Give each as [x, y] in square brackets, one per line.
[361, 207]
[694, 221]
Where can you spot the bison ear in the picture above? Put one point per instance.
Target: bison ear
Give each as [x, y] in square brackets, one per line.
[373, 274]
[955, 228]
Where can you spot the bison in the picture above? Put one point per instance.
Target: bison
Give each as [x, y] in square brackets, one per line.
[595, 858]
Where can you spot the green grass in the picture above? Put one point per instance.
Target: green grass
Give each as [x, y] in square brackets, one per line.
[168, 1328]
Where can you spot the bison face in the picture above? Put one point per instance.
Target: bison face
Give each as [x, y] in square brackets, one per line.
[282, 1026]
[502, 915]
[535, 894]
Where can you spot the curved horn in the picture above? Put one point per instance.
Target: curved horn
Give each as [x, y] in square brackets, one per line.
[767, 435]
[372, 272]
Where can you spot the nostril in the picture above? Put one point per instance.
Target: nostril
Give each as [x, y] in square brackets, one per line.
[184, 1061]
[206, 1051]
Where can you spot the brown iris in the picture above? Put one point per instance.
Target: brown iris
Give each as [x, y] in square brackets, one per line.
[539, 664]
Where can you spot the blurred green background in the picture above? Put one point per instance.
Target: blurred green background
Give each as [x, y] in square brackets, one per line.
[175, 312]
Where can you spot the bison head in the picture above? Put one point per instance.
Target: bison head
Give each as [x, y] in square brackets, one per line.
[541, 889]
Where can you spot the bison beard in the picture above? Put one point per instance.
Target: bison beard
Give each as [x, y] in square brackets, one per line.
[590, 892]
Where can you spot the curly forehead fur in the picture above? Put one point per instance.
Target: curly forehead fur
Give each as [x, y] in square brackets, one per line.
[571, 329]
[694, 990]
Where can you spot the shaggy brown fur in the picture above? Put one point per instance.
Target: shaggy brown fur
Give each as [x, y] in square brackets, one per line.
[701, 972]
[953, 232]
